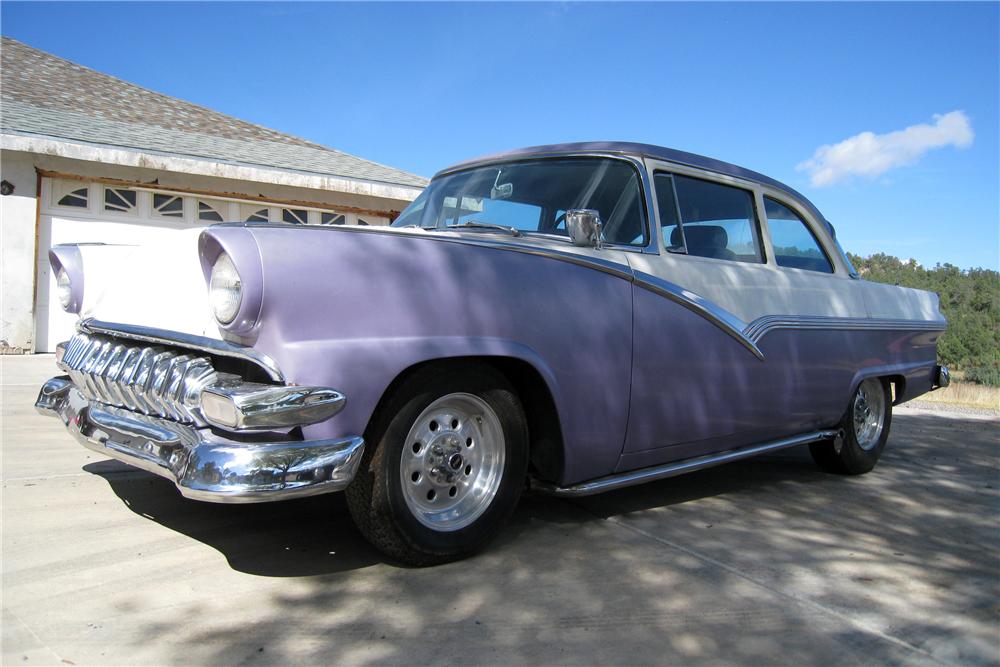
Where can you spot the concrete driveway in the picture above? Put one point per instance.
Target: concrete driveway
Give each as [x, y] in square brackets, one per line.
[762, 562]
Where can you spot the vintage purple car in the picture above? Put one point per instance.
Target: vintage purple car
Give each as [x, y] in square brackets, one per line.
[573, 319]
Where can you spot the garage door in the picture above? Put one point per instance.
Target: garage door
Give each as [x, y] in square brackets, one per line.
[74, 211]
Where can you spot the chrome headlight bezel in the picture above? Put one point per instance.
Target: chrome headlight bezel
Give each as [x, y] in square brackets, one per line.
[225, 290]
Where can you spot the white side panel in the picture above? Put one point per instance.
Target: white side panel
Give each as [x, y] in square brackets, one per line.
[750, 291]
[892, 302]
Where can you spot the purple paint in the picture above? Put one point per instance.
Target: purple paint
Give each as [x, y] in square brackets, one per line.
[353, 310]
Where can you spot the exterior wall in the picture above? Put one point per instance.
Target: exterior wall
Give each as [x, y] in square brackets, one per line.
[17, 253]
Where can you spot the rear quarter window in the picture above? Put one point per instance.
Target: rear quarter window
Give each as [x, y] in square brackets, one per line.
[795, 246]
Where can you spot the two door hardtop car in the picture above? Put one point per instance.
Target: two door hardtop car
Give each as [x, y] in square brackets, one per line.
[576, 318]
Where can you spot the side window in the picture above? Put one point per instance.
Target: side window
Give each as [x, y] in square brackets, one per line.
[717, 221]
[794, 245]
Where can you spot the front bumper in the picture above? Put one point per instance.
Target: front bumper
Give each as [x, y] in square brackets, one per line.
[204, 465]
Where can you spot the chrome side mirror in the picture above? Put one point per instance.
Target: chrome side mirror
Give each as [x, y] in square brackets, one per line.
[584, 227]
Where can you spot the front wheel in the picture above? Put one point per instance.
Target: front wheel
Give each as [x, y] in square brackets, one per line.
[446, 468]
[864, 429]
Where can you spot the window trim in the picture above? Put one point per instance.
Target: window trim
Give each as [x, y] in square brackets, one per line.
[760, 190]
[157, 213]
[54, 201]
[293, 213]
[683, 250]
[216, 206]
[756, 226]
[102, 202]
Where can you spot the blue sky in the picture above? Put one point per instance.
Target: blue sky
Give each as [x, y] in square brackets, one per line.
[420, 86]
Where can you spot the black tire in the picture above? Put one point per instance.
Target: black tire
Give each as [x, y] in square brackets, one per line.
[376, 499]
[845, 455]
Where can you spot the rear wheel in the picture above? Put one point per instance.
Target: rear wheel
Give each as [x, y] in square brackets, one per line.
[864, 432]
[445, 468]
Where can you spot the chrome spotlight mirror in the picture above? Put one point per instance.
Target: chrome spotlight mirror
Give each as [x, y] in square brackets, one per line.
[584, 227]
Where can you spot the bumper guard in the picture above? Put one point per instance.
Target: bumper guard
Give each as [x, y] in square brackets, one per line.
[204, 465]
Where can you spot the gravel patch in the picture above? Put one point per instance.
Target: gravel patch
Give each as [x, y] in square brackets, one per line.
[952, 408]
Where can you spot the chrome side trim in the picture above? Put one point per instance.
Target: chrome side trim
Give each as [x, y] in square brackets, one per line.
[621, 480]
[245, 406]
[203, 465]
[729, 323]
[177, 339]
[764, 325]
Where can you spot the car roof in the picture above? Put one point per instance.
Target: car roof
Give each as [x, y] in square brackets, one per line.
[645, 150]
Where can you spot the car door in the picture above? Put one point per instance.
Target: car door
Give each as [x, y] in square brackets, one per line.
[701, 380]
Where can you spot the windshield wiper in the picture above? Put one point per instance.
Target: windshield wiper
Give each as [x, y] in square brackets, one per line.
[472, 224]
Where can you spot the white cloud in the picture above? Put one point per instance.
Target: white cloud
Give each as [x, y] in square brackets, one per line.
[869, 154]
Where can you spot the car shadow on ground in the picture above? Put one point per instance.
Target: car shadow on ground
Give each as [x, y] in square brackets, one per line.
[736, 564]
[315, 536]
[292, 538]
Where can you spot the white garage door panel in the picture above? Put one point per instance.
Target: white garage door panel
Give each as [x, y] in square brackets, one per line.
[52, 323]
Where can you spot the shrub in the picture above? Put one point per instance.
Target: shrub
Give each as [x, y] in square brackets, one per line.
[969, 299]
[987, 375]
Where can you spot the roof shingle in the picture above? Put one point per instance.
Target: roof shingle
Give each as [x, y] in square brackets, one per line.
[45, 95]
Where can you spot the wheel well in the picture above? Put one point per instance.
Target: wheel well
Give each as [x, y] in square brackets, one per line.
[544, 430]
[898, 385]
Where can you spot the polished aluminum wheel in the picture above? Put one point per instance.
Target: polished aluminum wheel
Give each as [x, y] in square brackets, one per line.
[869, 413]
[452, 462]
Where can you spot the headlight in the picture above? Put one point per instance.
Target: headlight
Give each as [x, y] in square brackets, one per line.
[64, 289]
[225, 289]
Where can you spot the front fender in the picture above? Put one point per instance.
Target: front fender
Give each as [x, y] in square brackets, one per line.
[363, 368]
[354, 310]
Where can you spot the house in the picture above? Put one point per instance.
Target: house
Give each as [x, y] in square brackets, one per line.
[87, 157]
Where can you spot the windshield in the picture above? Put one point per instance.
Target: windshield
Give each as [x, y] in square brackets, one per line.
[534, 196]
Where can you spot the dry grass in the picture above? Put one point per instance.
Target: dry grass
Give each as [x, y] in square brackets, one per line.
[966, 393]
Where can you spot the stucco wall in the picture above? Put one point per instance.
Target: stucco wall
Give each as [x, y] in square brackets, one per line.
[17, 253]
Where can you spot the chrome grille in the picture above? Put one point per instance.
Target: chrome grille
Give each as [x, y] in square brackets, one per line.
[154, 380]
